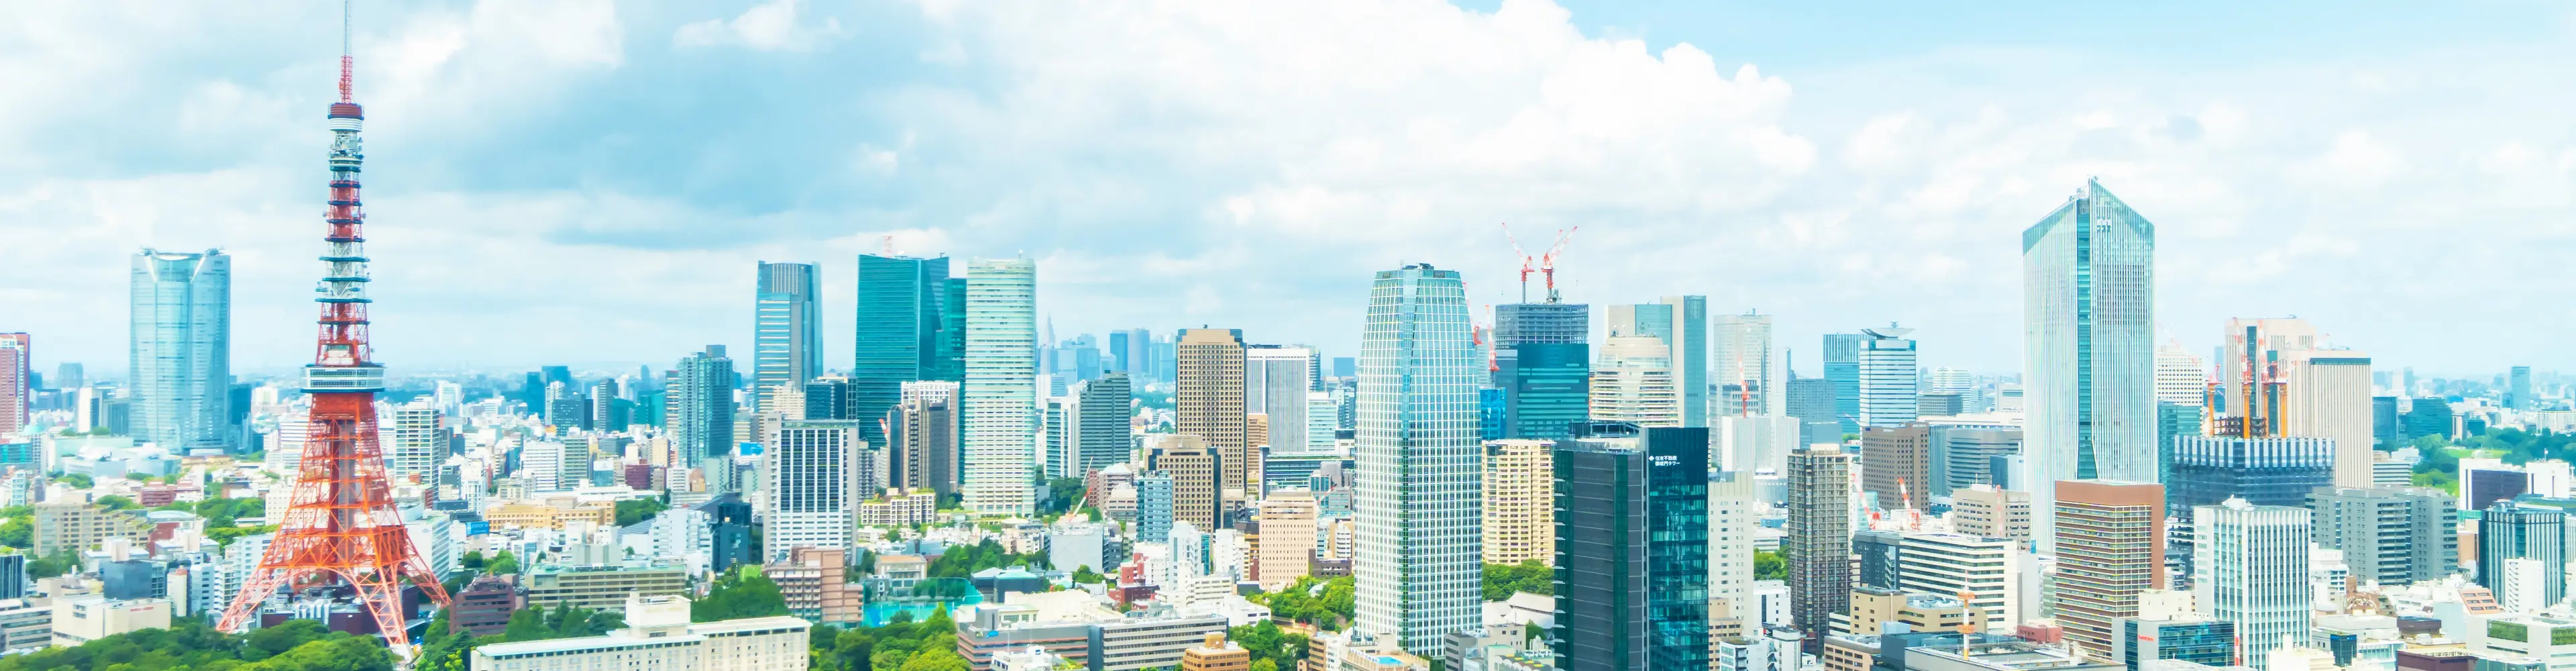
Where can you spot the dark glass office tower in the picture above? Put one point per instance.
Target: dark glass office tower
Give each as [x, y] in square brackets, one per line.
[911, 327]
[1632, 548]
[1544, 368]
[2507, 531]
[1842, 370]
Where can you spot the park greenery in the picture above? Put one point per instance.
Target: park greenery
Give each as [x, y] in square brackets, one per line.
[962, 561]
[631, 511]
[1325, 604]
[740, 593]
[297, 645]
[2439, 463]
[1273, 648]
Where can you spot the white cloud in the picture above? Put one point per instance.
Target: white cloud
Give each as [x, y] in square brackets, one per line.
[769, 26]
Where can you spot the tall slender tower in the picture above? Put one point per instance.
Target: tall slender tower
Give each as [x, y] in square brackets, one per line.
[341, 532]
[2088, 348]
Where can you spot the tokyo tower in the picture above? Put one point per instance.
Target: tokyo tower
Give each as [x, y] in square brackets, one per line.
[341, 532]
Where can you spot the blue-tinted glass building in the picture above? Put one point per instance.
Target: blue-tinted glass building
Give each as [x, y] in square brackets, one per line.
[1543, 366]
[911, 327]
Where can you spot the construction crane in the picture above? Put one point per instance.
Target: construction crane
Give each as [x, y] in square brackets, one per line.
[1547, 262]
[1523, 255]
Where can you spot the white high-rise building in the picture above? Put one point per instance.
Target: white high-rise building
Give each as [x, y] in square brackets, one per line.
[2088, 343]
[2250, 566]
[2181, 378]
[1743, 365]
[1000, 424]
[1421, 470]
[1632, 381]
[1759, 443]
[1889, 384]
[1733, 512]
[1955, 564]
[1276, 381]
[418, 443]
[814, 469]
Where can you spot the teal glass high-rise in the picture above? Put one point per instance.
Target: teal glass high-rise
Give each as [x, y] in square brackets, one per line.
[911, 327]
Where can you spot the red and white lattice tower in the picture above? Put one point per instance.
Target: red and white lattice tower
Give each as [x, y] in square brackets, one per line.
[342, 531]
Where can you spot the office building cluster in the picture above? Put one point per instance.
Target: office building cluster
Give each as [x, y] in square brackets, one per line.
[1676, 491]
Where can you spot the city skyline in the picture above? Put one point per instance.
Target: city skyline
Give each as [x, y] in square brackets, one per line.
[2263, 216]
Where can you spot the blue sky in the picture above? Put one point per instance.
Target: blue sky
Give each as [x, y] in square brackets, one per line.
[591, 182]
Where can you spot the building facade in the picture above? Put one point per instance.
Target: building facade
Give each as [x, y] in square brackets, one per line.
[180, 364]
[2251, 569]
[2391, 536]
[1819, 541]
[2110, 549]
[1889, 382]
[2088, 343]
[817, 476]
[998, 419]
[1208, 401]
[1420, 472]
[787, 331]
[1519, 511]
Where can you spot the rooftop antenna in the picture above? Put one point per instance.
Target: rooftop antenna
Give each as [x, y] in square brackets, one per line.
[347, 60]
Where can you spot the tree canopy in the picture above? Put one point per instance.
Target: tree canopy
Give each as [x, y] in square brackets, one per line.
[1529, 576]
[296, 645]
[739, 594]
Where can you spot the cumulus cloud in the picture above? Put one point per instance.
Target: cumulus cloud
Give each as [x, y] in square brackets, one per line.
[588, 183]
[769, 26]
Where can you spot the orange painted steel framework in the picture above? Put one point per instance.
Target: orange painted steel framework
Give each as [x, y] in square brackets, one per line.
[341, 526]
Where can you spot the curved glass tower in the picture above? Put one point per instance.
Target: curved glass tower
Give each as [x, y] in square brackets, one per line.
[2088, 339]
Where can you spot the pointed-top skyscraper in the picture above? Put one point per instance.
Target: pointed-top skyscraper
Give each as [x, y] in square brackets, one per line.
[1420, 489]
[2088, 338]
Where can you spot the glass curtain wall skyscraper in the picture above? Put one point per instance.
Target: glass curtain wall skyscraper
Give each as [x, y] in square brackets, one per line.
[999, 425]
[2089, 369]
[701, 413]
[1543, 365]
[1417, 561]
[787, 332]
[1632, 548]
[910, 328]
[181, 361]
[1744, 363]
[1842, 371]
[1889, 383]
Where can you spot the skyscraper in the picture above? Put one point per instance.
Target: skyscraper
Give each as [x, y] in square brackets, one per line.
[1000, 395]
[2209, 470]
[701, 415]
[908, 329]
[1819, 540]
[2517, 388]
[1276, 380]
[787, 332]
[1842, 371]
[1811, 401]
[1743, 370]
[1543, 365]
[1097, 422]
[1197, 472]
[2110, 547]
[1208, 402]
[2088, 341]
[420, 441]
[1896, 464]
[1888, 380]
[2252, 569]
[1635, 543]
[181, 363]
[1634, 382]
[17, 354]
[1520, 523]
[1419, 461]
[1681, 324]
[814, 489]
[921, 437]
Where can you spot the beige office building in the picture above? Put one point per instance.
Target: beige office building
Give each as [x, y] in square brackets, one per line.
[1987, 512]
[73, 526]
[1520, 501]
[922, 438]
[1208, 402]
[1287, 541]
[1632, 381]
[1195, 468]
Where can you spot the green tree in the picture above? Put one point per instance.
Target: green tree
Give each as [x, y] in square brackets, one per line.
[18, 532]
[115, 502]
[1083, 575]
[1769, 565]
[1501, 580]
[526, 624]
[631, 511]
[739, 594]
[504, 564]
